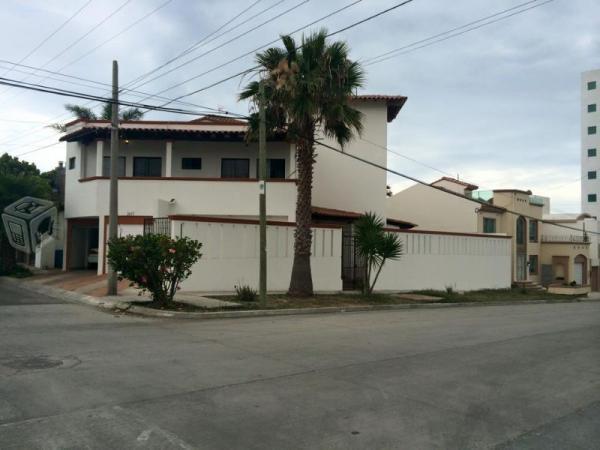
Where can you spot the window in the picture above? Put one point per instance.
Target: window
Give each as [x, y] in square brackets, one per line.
[592, 108]
[521, 230]
[275, 168]
[591, 85]
[147, 167]
[591, 152]
[591, 198]
[533, 231]
[71, 163]
[120, 166]
[591, 130]
[235, 168]
[191, 163]
[533, 264]
[592, 175]
[489, 225]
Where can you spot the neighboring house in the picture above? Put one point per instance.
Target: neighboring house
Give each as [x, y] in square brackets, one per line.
[204, 167]
[537, 255]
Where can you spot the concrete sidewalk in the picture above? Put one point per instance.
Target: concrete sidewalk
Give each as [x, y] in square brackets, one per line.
[91, 288]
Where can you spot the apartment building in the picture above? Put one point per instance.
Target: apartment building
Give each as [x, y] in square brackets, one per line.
[590, 142]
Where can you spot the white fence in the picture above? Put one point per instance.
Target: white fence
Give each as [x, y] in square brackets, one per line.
[230, 252]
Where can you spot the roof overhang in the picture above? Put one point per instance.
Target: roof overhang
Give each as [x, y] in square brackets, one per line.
[394, 103]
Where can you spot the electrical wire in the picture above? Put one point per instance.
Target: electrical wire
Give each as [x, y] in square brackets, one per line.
[446, 191]
[51, 35]
[449, 34]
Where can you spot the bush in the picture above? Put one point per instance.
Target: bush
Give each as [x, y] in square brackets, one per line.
[154, 262]
[245, 294]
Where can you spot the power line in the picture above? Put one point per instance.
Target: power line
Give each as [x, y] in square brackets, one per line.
[146, 95]
[87, 33]
[235, 38]
[455, 194]
[116, 35]
[216, 83]
[202, 41]
[75, 94]
[51, 35]
[253, 51]
[406, 157]
[449, 34]
[99, 83]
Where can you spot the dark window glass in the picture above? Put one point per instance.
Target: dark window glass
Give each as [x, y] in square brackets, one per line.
[191, 163]
[71, 163]
[533, 231]
[592, 175]
[591, 85]
[592, 107]
[235, 168]
[489, 225]
[120, 166]
[147, 167]
[591, 152]
[591, 198]
[275, 168]
[533, 264]
[521, 224]
[591, 130]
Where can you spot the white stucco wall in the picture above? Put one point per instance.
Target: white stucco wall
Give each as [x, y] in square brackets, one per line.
[437, 261]
[433, 210]
[343, 183]
[230, 256]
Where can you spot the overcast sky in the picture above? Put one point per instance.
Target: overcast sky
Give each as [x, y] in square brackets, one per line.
[498, 106]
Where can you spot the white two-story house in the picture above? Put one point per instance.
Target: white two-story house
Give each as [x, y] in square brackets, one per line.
[204, 167]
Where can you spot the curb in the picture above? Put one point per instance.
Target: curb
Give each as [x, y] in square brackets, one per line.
[123, 306]
[148, 312]
[69, 296]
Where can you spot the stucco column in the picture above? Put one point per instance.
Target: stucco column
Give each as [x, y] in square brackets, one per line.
[99, 157]
[168, 159]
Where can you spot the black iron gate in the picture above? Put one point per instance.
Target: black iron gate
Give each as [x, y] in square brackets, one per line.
[157, 225]
[353, 267]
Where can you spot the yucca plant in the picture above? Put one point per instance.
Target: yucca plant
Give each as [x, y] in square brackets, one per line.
[375, 246]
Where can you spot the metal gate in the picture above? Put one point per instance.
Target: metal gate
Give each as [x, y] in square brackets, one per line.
[353, 267]
[157, 225]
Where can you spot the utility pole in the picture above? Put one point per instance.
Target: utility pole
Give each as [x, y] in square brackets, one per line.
[113, 216]
[262, 197]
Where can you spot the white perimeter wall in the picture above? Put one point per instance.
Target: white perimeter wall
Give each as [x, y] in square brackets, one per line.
[230, 256]
[436, 261]
[431, 261]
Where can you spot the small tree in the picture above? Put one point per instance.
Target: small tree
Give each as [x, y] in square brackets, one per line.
[376, 246]
[154, 263]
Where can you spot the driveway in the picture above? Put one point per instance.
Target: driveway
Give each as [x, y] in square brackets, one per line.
[453, 378]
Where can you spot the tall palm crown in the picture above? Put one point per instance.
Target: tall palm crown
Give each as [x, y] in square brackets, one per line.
[308, 89]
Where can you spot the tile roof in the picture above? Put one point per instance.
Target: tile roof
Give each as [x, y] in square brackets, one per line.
[468, 186]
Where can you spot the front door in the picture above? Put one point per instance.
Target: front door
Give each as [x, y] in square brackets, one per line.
[521, 267]
[579, 273]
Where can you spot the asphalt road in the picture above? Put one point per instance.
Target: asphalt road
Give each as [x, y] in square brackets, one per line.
[522, 377]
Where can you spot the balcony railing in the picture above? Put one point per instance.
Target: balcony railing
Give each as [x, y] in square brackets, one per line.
[576, 239]
[536, 200]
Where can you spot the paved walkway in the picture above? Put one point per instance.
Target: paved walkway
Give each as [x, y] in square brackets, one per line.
[515, 377]
[87, 282]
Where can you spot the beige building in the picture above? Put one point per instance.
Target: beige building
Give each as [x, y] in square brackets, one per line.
[540, 253]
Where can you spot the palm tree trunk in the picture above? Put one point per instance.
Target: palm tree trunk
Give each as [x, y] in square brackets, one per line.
[301, 281]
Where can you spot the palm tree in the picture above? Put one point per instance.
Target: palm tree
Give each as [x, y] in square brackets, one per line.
[308, 89]
[83, 112]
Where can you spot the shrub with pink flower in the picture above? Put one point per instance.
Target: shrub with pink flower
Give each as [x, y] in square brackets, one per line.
[154, 263]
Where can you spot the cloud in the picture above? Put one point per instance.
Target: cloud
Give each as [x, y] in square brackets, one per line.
[500, 104]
